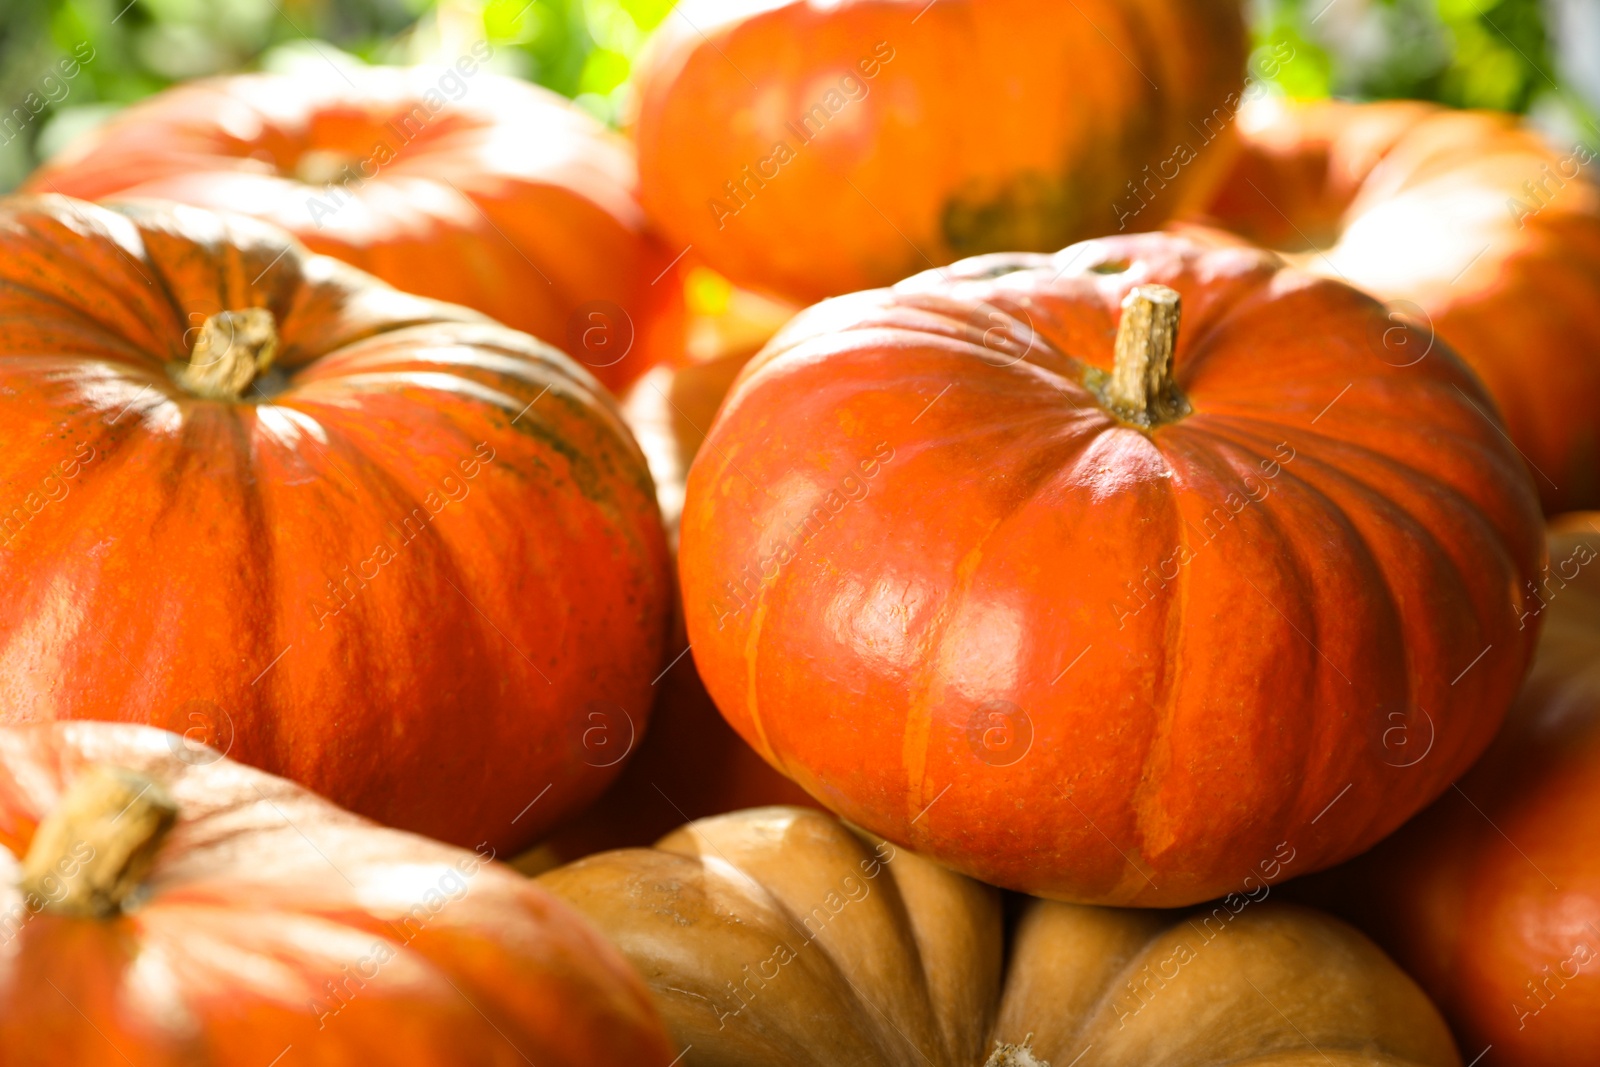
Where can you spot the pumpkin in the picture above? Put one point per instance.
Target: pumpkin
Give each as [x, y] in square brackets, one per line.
[857, 142]
[1109, 628]
[1491, 897]
[383, 546]
[778, 936]
[162, 909]
[691, 764]
[1468, 224]
[452, 183]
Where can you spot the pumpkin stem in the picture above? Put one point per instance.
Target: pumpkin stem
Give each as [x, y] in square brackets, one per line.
[1141, 390]
[1014, 1056]
[232, 349]
[321, 166]
[96, 846]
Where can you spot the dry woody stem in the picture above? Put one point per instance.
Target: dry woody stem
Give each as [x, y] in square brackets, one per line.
[95, 848]
[1141, 390]
[232, 350]
[1014, 1056]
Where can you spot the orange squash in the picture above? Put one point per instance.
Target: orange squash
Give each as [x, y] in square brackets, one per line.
[1465, 223]
[380, 545]
[814, 149]
[1109, 628]
[452, 183]
[165, 907]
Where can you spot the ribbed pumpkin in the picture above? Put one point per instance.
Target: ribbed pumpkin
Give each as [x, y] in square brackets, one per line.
[452, 183]
[1468, 224]
[814, 149]
[164, 907]
[780, 937]
[378, 544]
[1491, 897]
[1110, 628]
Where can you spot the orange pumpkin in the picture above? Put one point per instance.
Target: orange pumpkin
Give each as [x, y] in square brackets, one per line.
[1491, 897]
[780, 937]
[814, 149]
[163, 906]
[1466, 223]
[453, 183]
[1110, 629]
[380, 545]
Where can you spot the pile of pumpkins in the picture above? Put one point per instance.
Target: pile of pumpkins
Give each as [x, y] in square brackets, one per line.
[1147, 511]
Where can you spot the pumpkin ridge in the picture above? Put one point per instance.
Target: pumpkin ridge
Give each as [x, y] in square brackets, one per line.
[1115, 979]
[1460, 505]
[136, 357]
[582, 468]
[761, 893]
[1307, 785]
[884, 1027]
[1296, 578]
[917, 733]
[1377, 561]
[1223, 314]
[1412, 473]
[494, 351]
[172, 341]
[1047, 474]
[752, 693]
[1457, 500]
[1147, 792]
[256, 499]
[103, 225]
[111, 445]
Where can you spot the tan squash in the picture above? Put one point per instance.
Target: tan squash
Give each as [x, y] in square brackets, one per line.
[780, 937]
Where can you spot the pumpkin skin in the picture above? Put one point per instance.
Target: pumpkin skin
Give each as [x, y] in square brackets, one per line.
[507, 199]
[691, 764]
[406, 570]
[1465, 222]
[932, 579]
[261, 920]
[941, 131]
[778, 936]
[1489, 897]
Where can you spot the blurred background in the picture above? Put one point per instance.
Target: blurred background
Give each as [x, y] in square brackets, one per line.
[1516, 55]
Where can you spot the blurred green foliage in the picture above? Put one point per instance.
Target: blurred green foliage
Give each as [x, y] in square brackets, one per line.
[1467, 53]
[582, 48]
[1472, 53]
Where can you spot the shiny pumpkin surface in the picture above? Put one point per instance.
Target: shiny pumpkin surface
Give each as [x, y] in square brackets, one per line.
[408, 569]
[275, 925]
[779, 937]
[1467, 223]
[1492, 896]
[858, 142]
[453, 183]
[930, 577]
